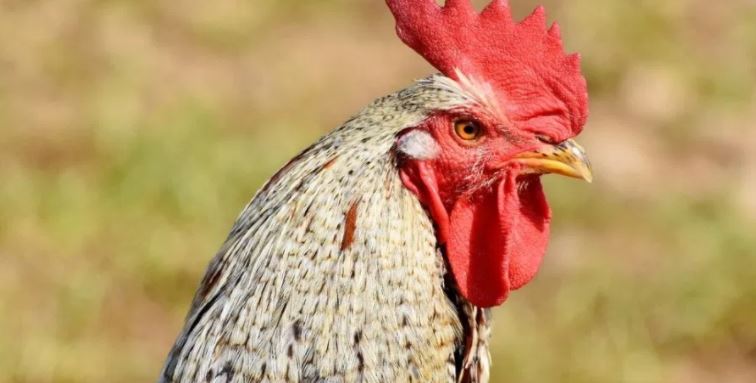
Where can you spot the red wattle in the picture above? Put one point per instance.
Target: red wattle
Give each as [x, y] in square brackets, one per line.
[495, 238]
[476, 247]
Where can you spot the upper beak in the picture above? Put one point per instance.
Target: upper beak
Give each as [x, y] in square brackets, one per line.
[568, 159]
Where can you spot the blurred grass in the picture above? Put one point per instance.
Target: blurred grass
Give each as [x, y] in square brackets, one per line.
[133, 132]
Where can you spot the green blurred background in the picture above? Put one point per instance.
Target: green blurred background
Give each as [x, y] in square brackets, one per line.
[133, 132]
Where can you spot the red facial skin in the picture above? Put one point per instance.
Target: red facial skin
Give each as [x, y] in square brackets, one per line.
[492, 219]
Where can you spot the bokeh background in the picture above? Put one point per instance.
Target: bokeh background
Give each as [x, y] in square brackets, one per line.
[133, 132]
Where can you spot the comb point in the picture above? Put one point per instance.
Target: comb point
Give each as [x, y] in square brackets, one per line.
[459, 5]
[555, 32]
[537, 19]
[497, 9]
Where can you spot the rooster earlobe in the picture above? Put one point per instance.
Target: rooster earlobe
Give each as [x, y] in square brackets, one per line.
[418, 145]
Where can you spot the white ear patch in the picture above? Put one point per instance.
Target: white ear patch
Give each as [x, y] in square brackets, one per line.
[418, 144]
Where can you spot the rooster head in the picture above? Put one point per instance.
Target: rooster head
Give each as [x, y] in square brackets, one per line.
[476, 165]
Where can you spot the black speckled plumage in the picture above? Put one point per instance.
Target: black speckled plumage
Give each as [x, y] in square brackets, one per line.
[333, 274]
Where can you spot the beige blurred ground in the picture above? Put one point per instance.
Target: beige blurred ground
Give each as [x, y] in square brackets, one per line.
[133, 132]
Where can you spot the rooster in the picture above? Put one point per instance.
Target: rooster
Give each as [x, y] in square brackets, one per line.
[376, 254]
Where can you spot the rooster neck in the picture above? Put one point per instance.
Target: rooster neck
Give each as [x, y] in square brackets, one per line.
[332, 271]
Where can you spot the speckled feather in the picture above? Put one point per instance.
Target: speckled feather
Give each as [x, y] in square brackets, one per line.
[333, 272]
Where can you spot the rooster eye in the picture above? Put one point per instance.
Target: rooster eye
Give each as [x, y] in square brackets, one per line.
[468, 130]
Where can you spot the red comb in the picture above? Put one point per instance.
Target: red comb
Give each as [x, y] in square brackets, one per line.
[523, 62]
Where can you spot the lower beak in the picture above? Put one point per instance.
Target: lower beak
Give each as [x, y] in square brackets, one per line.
[568, 159]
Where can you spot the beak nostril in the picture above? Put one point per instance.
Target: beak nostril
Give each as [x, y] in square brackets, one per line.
[545, 139]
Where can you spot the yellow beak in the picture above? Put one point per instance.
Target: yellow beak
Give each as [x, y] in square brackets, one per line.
[568, 159]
